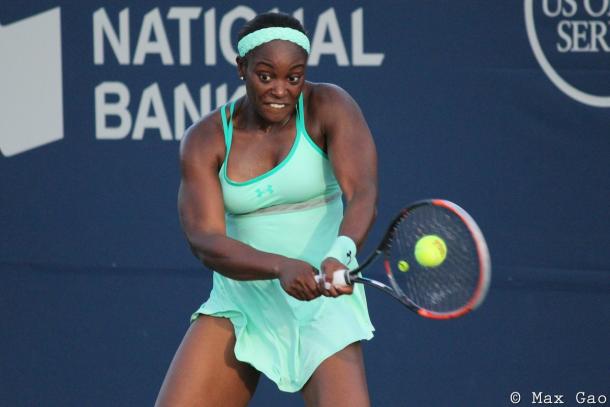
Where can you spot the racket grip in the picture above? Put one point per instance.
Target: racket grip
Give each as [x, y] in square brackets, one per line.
[319, 278]
[340, 279]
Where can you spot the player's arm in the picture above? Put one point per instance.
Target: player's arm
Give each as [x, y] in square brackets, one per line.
[202, 216]
[353, 156]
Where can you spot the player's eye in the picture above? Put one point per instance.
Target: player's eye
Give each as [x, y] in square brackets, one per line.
[294, 79]
[264, 77]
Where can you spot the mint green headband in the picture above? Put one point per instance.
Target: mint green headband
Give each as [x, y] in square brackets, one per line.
[264, 35]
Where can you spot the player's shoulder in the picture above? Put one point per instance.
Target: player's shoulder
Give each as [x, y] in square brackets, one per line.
[321, 94]
[327, 102]
[205, 137]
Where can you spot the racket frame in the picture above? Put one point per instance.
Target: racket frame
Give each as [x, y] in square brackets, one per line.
[484, 278]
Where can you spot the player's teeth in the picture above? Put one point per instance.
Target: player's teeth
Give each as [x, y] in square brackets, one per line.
[276, 105]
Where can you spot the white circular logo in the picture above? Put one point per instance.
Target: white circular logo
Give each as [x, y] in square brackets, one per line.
[575, 35]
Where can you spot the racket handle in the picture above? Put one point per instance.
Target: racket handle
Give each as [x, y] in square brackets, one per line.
[340, 279]
[319, 278]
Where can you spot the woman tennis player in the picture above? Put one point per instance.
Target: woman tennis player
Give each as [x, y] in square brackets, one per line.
[260, 202]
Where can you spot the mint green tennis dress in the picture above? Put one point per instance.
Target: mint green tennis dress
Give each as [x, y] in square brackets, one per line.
[294, 210]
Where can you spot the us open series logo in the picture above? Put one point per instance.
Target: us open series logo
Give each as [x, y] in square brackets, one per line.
[576, 37]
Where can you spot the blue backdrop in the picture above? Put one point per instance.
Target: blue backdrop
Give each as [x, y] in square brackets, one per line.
[502, 107]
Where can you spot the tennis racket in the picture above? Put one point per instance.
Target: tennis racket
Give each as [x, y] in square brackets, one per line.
[436, 261]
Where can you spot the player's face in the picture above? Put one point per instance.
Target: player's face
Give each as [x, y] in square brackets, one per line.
[275, 75]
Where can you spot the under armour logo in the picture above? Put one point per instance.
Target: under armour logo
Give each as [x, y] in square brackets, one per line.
[261, 192]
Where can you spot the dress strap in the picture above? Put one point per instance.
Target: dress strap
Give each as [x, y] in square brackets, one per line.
[227, 125]
[300, 115]
[302, 130]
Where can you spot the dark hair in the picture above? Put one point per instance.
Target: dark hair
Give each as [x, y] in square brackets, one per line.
[270, 19]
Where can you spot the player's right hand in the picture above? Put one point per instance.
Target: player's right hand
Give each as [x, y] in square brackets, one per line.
[298, 280]
[328, 267]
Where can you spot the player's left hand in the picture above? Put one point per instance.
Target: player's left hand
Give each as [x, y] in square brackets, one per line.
[328, 267]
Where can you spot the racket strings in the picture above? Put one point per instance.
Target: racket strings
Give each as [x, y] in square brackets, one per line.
[447, 286]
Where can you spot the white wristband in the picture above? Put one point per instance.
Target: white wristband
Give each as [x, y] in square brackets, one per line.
[344, 250]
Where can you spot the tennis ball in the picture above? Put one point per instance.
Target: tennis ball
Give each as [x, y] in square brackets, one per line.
[403, 266]
[430, 251]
